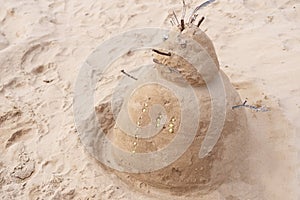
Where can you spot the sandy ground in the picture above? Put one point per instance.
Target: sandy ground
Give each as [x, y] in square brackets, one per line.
[43, 45]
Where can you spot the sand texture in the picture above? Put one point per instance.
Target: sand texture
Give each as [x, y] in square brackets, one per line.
[43, 45]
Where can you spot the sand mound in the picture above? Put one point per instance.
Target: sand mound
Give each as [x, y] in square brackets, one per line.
[140, 108]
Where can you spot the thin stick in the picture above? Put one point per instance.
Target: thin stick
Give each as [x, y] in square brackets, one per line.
[192, 17]
[200, 22]
[130, 76]
[182, 24]
[175, 17]
[172, 22]
[255, 108]
[183, 9]
[161, 53]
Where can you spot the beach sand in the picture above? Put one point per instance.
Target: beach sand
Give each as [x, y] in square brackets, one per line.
[43, 45]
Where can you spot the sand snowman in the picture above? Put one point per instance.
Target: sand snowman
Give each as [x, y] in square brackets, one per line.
[155, 115]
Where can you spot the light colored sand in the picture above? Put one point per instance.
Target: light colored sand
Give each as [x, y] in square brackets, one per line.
[44, 43]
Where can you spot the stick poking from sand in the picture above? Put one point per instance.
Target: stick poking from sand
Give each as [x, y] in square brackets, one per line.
[194, 18]
[255, 108]
[182, 24]
[200, 22]
[194, 15]
[172, 23]
[161, 53]
[174, 14]
[183, 9]
[130, 76]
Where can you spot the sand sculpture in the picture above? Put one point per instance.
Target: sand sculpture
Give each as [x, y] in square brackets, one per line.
[188, 172]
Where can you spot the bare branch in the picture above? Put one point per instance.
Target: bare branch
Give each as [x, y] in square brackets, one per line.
[255, 108]
[183, 9]
[182, 24]
[174, 14]
[130, 76]
[200, 21]
[161, 53]
[193, 15]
